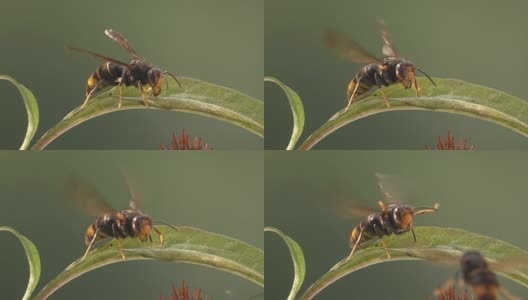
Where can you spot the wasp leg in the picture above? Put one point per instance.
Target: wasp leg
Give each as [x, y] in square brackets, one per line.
[355, 244]
[160, 235]
[116, 236]
[380, 236]
[90, 245]
[378, 83]
[354, 92]
[416, 86]
[140, 87]
[90, 94]
[120, 87]
[121, 249]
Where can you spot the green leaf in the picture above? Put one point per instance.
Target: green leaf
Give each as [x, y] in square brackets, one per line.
[188, 245]
[297, 111]
[33, 260]
[31, 107]
[195, 96]
[450, 95]
[435, 244]
[297, 255]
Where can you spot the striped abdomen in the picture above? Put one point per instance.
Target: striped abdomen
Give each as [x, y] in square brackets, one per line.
[484, 284]
[107, 74]
[363, 82]
[368, 231]
[365, 79]
[109, 225]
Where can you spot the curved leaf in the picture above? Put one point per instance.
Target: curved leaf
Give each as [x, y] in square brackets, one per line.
[297, 111]
[297, 255]
[450, 95]
[33, 260]
[188, 245]
[31, 107]
[433, 244]
[195, 96]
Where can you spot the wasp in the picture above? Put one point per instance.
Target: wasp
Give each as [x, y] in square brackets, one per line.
[392, 219]
[478, 275]
[377, 73]
[138, 72]
[130, 222]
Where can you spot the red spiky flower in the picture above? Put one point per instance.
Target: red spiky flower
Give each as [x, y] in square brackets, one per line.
[183, 143]
[449, 144]
[183, 293]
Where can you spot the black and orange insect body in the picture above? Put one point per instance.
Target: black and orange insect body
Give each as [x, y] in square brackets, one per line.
[137, 72]
[128, 223]
[377, 73]
[392, 219]
[108, 225]
[478, 275]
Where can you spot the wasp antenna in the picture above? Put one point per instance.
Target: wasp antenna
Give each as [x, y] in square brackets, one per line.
[161, 222]
[167, 72]
[430, 79]
[426, 210]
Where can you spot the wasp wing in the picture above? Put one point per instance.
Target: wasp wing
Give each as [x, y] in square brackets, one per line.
[395, 189]
[354, 209]
[347, 48]
[131, 191]
[346, 205]
[86, 196]
[510, 264]
[121, 40]
[388, 48]
[97, 55]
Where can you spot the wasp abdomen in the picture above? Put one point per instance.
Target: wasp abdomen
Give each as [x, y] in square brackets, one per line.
[109, 225]
[364, 81]
[107, 74]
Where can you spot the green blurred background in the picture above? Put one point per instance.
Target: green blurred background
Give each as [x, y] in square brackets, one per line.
[482, 42]
[218, 191]
[483, 192]
[216, 41]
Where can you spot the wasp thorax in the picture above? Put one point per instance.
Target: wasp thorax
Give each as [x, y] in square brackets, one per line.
[155, 80]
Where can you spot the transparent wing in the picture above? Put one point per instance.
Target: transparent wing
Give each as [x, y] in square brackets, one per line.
[388, 48]
[131, 191]
[87, 197]
[510, 264]
[97, 55]
[347, 48]
[394, 189]
[346, 205]
[352, 209]
[121, 40]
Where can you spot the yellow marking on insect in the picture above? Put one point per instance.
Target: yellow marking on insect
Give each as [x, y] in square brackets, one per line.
[92, 81]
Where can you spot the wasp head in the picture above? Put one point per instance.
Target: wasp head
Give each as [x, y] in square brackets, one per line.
[155, 80]
[141, 225]
[405, 71]
[404, 216]
[472, 260]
